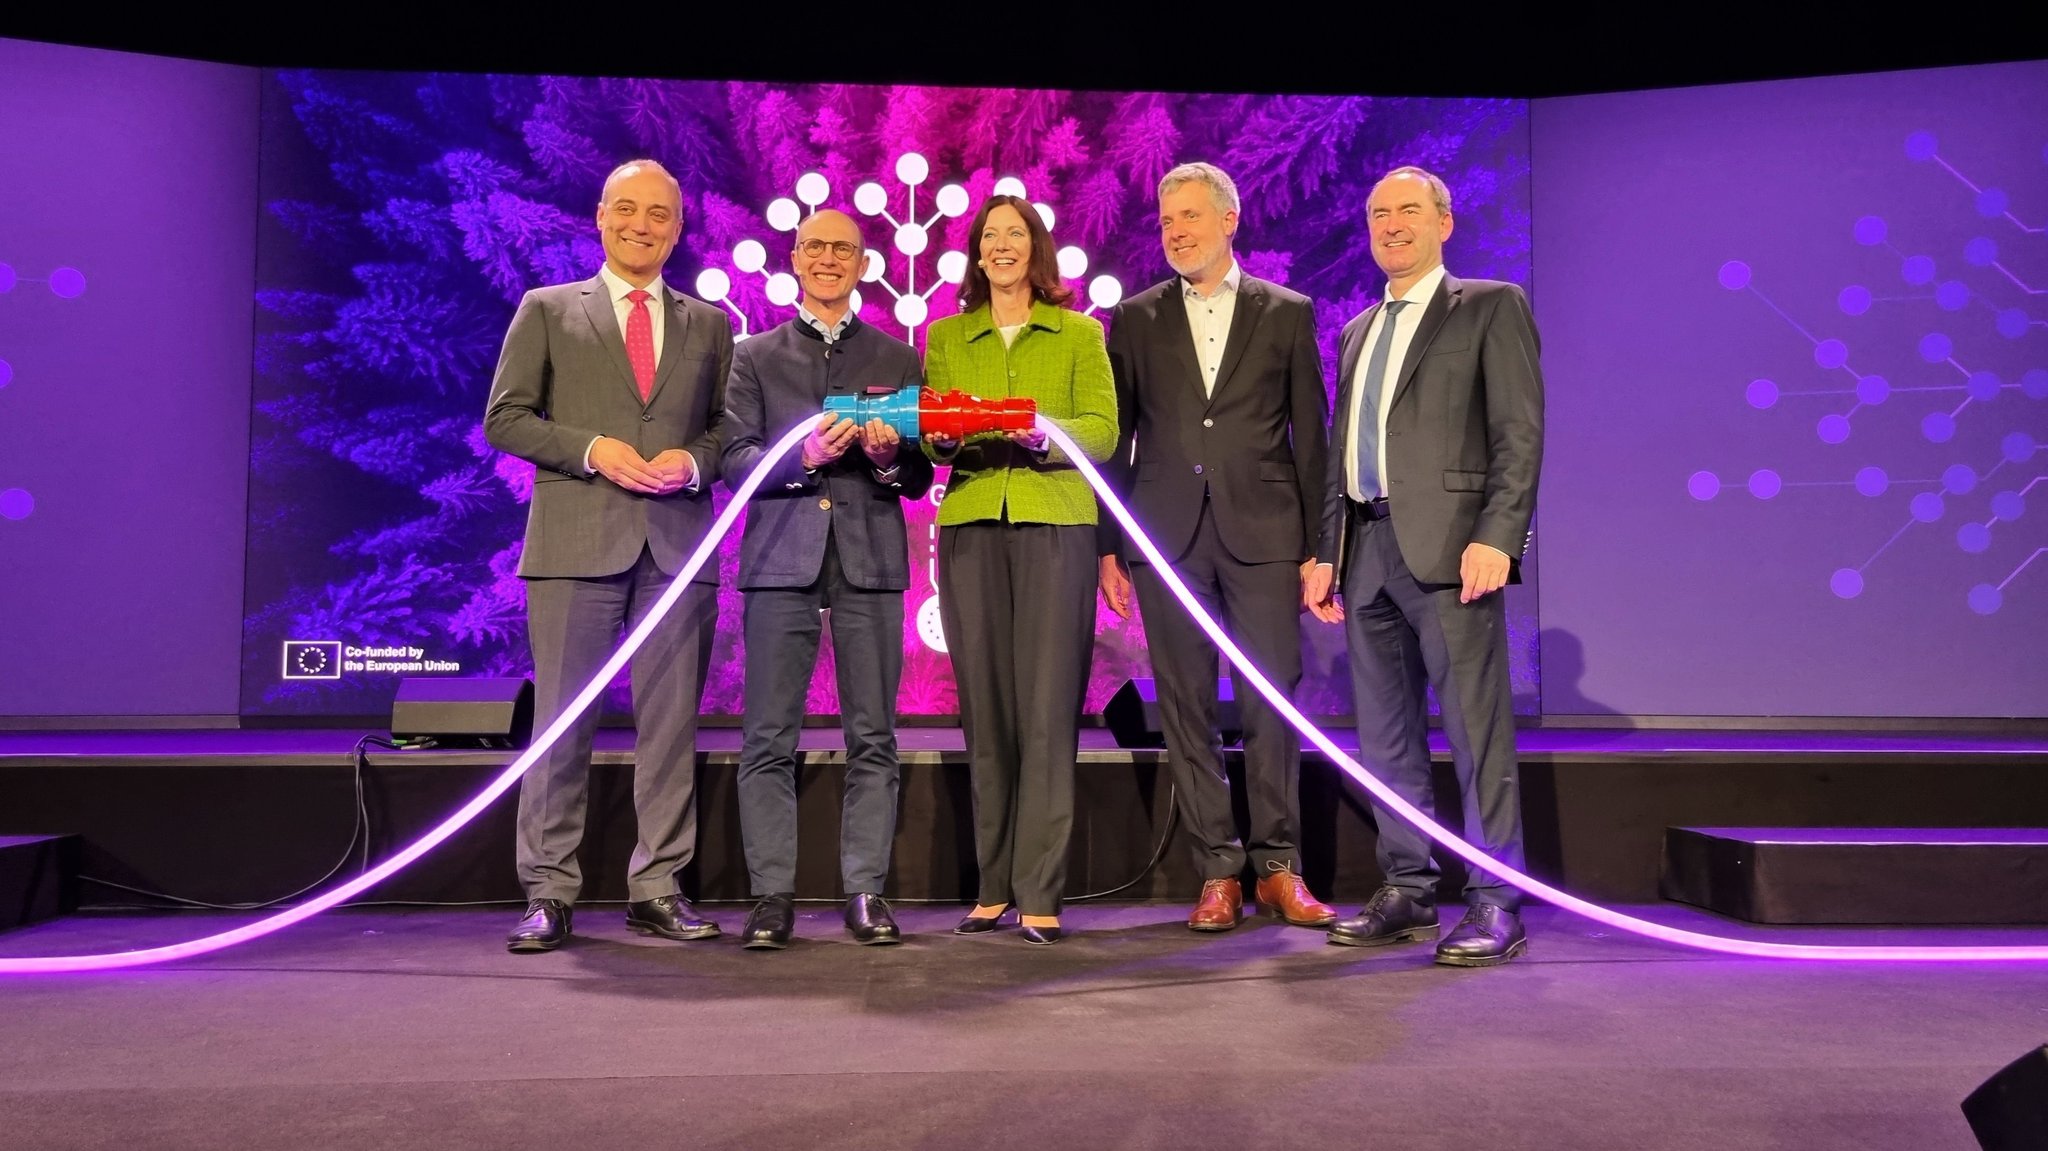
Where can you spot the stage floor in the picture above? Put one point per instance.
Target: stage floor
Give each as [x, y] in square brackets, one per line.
[382, 1028]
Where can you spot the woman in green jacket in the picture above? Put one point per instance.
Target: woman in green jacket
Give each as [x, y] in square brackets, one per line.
[1017, 557]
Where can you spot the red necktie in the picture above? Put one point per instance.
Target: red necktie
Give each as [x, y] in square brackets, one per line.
[640, 343]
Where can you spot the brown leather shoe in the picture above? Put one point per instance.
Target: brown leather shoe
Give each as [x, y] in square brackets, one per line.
[1219, 909]
[1287, 895]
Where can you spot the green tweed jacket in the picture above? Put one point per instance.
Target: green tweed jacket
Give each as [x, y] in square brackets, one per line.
[1059, 360]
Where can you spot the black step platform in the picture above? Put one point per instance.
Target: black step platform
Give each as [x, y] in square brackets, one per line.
[1860, 874]
[38, 878]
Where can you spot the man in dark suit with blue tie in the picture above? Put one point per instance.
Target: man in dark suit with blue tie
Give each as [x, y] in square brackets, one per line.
[825, 534]
[614, 388]
[1436, 446]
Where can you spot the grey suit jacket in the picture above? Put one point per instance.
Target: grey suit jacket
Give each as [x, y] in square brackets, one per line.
[1464, 430]
[781, 378]
[563, 380]
[1255, 445]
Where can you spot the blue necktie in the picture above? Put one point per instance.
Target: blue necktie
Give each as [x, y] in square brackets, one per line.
[1366, 439]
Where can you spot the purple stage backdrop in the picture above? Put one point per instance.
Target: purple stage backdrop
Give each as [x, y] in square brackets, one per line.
[127, 256]
[404, 215]
[1797, 340]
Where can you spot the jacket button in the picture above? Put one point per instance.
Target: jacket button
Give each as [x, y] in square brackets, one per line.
[825, 505]
[1208, 423]
[1198, 469]
[646, 419]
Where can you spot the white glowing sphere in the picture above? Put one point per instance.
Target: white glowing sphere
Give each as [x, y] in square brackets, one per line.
[911, 239]
[812, 188]
[953, 267]
[911, 169]
[870, 198]
[1073, 262]
[930, 627]
[749, 256]
[877, 267]
[1045, 213]
[854, 301]
[910, 310]
[1009, 186]
[713, 284]
[782, 289]
[1104, 291]
[953, 201]
[784, 215]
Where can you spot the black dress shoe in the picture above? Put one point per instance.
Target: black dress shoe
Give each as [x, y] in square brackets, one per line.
[1390, 917]
[769, 924]
[545, 927]
[980, 924]
[670, 917]
[868, 919]
[1041, 935]
[1486, 937]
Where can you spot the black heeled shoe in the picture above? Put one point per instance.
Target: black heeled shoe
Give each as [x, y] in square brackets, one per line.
[981, 924]
[1042, 935]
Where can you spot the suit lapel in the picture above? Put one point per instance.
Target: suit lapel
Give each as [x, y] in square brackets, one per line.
[597, 307]
[1251, 304]
[1433, 317]
[1178, 333]
[677, 321]
[1347, 371]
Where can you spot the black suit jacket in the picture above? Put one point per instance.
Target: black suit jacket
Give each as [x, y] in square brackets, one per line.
[1464, 431]
[1255, 446]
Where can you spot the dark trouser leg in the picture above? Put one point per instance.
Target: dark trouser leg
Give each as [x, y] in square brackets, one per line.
[976, 611]
[1052, 634]
[781, 629]
[1263, 605]
[1387, 687]
[867, 647]
[1465, 648]
[668, 684]
[573, 625]
[1184, 670]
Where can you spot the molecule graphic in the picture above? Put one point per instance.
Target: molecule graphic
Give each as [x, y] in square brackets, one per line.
[1955, 380]
[910, 236]
[66, 284]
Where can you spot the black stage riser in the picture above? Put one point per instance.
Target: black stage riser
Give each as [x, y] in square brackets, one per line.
[235, 832]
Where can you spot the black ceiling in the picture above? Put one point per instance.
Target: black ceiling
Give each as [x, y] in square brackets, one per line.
[1409, 50]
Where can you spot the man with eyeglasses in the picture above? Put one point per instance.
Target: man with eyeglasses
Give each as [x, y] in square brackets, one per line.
[825, 535]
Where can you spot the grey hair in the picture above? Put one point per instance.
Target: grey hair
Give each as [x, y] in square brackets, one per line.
[655, 165]
[1437, 191]
[1222, 190]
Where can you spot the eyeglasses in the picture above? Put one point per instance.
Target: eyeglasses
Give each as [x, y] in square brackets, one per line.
[840, 248]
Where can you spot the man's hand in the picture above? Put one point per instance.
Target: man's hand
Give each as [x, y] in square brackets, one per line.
[677, 469]
[1319, 591]
[616, 461]
[1116, 586]
[1484, 571]
[879, 440]
[828, 440]
[943, 445]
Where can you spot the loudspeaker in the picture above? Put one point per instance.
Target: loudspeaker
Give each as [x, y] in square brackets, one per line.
[2010, 1111]
[1133, 714]
[492, 713]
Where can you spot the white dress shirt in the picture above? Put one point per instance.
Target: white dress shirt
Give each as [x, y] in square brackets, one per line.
[1418, 298]
[1209, 320]
[657, 305]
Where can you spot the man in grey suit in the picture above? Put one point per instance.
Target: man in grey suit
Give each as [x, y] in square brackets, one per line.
[1221, 408]
[614, 388]
[1438, 441]
[824, 534]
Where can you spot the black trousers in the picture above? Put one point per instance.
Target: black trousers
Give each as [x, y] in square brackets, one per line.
[1259, 605]
[1018, 605]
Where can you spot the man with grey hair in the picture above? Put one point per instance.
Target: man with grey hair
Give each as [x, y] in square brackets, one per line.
[1221, 410]
[1432, 483]
[614, 389]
